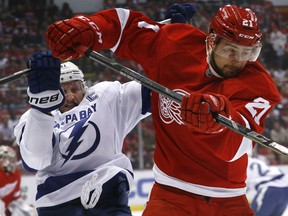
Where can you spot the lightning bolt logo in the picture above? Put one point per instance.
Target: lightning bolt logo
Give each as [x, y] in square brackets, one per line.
[76, 134]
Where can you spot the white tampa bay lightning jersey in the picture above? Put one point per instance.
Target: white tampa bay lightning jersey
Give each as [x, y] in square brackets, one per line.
[260, 175]
[67, 149]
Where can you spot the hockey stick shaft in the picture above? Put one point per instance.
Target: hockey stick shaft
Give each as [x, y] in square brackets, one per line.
[14, 76]
[232, 125]
[133, 75]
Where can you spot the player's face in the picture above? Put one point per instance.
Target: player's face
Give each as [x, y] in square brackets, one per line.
[74, 93]
[230, 58]
[8, 164]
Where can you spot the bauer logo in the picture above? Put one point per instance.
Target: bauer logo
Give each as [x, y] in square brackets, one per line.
[43, 100]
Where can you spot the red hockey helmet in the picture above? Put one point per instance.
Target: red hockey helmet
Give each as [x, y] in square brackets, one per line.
[237, 25]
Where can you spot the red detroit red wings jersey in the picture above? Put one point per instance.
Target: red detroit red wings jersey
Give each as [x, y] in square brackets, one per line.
[10, 186]
[174, 55]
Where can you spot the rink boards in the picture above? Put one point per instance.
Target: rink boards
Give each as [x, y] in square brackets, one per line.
[138, 196]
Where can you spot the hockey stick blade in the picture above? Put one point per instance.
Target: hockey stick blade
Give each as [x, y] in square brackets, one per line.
[154, 86]
[14, 76]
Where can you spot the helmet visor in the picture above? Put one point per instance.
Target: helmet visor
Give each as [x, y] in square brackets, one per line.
[241, 53]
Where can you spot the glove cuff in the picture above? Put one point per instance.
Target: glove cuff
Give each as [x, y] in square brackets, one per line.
[46, 101]
[178, 18]
[86, 21]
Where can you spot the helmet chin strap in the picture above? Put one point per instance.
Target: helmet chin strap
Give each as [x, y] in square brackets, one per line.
[210, 62]
[211, 41]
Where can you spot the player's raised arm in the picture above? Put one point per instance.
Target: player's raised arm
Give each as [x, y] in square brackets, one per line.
[34, 132]
[70, 38]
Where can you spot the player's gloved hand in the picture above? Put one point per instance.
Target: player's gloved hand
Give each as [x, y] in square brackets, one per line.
[181, 13]
[197, 109]
[44, 92]
[70, 38]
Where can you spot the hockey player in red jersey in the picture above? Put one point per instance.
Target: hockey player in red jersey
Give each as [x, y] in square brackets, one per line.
[200, 166]
[10, 178]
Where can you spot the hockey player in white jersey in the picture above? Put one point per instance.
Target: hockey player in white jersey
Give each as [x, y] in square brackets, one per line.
[73, 136]
[271, 186]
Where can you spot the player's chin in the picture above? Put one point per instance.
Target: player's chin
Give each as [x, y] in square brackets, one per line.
[231, 72]
[66, 107]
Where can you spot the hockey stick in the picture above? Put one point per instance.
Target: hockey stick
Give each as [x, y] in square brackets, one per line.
[14, 76]
[232, 125]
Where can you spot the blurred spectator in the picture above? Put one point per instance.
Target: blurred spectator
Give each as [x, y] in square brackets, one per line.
[279, 134]
[278, 40]
[13, 98]
[148, 156]
[109, 4]
[284, 101]
[3, 5]
[3, 61]
[66, 11]
[279, 73]
[7, 132]
[12, 120]
[52, 10]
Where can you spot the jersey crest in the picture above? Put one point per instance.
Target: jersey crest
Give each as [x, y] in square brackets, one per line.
[169, 110]
[78, 145]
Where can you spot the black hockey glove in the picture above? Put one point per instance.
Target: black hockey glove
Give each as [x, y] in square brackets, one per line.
[181, 13]
[44, 92]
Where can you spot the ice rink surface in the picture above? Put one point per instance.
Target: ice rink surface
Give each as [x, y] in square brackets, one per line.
[137, 213]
